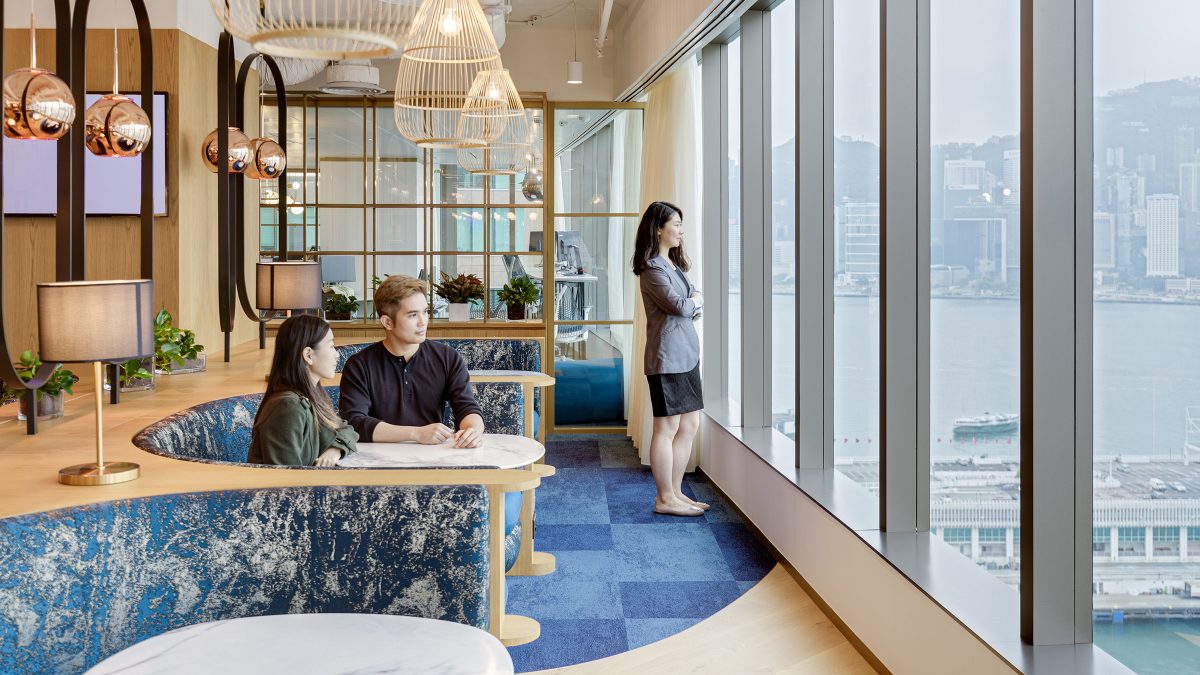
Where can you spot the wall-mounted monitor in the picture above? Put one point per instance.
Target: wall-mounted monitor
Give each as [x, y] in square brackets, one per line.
[112, 185]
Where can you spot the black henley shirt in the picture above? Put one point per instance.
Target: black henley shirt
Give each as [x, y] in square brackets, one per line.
[380, 387]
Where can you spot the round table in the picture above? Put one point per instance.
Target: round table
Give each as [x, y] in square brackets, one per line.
[499, 450]
[316, 643]
[502, 451]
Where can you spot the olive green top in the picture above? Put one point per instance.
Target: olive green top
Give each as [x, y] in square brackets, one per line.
[286, 432]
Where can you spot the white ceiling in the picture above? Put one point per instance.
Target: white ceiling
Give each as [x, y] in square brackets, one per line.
[558, 13]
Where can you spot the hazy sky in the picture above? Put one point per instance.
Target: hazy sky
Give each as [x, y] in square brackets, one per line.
[974, 55]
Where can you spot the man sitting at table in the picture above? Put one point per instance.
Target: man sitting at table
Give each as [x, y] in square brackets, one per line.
[395, 390]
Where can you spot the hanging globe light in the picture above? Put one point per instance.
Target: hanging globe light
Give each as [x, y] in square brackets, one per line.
[318, 29]
[115, 126]
[240, 150]
[508, 154]
[37, 104]
[268, 159]
[447, 46]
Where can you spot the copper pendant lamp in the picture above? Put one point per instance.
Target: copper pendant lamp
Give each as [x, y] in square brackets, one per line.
[449, 43]
[508, 154]
[37, 104]
[240, 150]
[115, 126]
[268, 159]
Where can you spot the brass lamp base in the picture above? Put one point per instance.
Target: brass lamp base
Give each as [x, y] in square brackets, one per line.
[99, 474]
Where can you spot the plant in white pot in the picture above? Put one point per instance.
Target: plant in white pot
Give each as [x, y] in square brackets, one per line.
[49, 398]
[175, 349]
[460, 292]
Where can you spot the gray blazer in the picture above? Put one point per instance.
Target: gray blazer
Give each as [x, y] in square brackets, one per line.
[672, 344]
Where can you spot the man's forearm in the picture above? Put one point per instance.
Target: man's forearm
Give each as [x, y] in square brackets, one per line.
[393, 433]
[472, 421]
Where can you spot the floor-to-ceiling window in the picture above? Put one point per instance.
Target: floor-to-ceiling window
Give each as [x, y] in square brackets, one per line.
[974, 311]
[856, 239]
[1146, 271]
[733, 252]
[783, 217]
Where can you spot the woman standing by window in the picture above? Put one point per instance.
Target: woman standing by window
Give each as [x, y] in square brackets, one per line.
[672, 360]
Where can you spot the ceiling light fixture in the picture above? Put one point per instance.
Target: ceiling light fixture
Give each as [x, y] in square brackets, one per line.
[318, 29]
[575, 67]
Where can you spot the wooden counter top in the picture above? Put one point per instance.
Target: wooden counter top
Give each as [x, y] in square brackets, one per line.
[29, 464]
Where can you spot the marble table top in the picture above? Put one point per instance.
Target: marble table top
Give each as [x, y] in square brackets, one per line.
[316, 643]
[499, 450]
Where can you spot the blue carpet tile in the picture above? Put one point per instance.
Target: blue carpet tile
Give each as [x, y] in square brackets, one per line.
[626, 576]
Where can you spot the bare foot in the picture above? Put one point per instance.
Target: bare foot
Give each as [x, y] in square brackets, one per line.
[692, 502]
[675, 508]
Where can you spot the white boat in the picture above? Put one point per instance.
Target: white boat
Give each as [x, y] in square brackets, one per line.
[987, 423]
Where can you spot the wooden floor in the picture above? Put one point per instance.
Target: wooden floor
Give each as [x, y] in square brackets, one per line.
[774, 627]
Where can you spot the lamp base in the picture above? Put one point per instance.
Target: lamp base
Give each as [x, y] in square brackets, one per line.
[99, 474]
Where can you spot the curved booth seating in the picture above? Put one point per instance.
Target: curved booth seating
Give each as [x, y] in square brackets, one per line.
[82, 583]
[491, 354]
[219, 432]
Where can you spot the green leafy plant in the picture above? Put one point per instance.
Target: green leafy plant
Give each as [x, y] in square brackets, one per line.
[132, 370]
[518, 291]
[460, 289]
[172, 346]
[60, 380]
[377, 280]
[336, 303]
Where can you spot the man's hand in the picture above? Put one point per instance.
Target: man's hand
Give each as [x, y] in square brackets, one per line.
[329, 458]
[433, 434]
[467, 437]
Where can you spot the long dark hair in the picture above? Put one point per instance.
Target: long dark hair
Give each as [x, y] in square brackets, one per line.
[290, 373]
[645, 244]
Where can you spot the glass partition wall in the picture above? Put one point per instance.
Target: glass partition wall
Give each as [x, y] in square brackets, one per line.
[367, 203]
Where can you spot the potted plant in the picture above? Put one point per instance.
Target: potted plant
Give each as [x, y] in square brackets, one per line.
[175, 349]
[340, 303]
[49, 398]
[459, 291]
[517, 294]
[133, 375]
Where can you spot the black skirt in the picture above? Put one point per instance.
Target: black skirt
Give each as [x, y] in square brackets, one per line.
[676, 393]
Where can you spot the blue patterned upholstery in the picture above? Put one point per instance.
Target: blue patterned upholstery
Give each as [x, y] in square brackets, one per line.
[480, 354]
[80, 584]
[219, 432]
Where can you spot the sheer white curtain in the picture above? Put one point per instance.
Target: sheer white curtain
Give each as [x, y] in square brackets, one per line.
[670, 172]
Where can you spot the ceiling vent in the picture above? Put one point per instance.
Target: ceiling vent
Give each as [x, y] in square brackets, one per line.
[352, 78]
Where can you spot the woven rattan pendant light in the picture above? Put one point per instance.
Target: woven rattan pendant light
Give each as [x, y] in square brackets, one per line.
[449, 43]
[508, 154]
[318, 29]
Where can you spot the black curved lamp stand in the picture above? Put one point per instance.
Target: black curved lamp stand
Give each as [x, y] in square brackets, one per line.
[67, 239]
[75, 139]
[231, 193]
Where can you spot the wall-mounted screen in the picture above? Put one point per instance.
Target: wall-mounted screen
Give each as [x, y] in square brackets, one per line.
[112, 185]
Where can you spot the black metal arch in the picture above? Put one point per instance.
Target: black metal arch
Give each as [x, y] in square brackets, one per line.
[231, 193]
[64, 240]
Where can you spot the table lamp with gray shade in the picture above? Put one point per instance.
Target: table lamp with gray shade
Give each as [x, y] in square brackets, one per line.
[96, 321]
[288, 285]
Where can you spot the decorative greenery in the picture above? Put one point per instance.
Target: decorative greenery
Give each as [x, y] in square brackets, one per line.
[518, 291]
[132, 370]
[172, 346]
[377, 280]
[336, 303]
[61, 380]
[460, 289]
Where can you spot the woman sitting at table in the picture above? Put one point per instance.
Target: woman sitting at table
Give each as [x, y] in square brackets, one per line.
[296, 424]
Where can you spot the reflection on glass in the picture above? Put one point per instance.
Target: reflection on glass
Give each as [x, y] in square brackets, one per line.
[591, 274]
[526, 187]
[516, 229]
[1146, 368]
[340, 165]
[453, 184]
[597, 160]
[458, 229]
[783, 217]
[591, 367]
[340, 229]
[399, 165]
[400, 229]
[974, 332]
